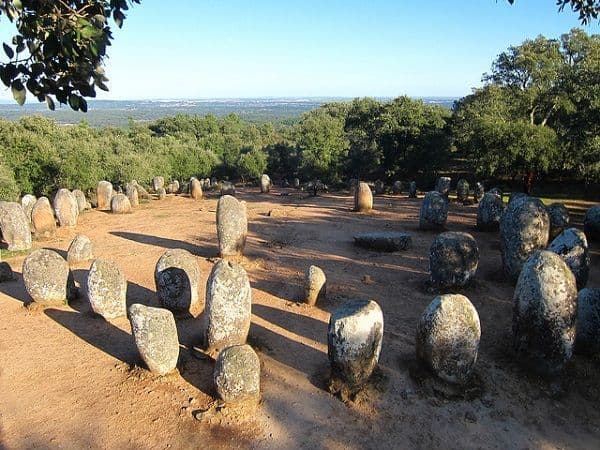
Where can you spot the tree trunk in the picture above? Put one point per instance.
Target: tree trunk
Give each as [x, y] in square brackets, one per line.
[528, 179]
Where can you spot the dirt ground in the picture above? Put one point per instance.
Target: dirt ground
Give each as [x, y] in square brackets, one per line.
[71, 380]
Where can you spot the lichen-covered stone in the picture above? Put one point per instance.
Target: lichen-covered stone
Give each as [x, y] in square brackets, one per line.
[195, 189]
[120, 204]
[489, 212]
[379, 187]
[80, 250]
[559, 218]
[412, 190]
[131, 191]
[385, 241]
[161, 193]
[237, 374]
[571, 245]
[158, 183]
[177, 276]
[448, 336]
[453, 259]
[14, 226]
[443, 185]
[82, 203]
[155, 335]
[27, 203]
[228, 306]
[232, 226]
[545, 313]
[66, 208]
[434, 211]
[43, 222]
[47, 278]
[591, 223]
[462, 190]
[516, 196]
[176, 186]
[107, 289]
[104, 193]
[227, 188]
[265, 183]
[524, 228]
[478, 191]
[354, 340]
[397, 187]
[315, 285]
[142, 193]
[587, 339]
[363, 198]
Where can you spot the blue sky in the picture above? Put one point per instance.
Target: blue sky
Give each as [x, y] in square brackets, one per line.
[234, 48]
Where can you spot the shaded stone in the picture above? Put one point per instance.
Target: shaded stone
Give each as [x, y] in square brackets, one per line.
[66, 208]
[478, 191]
[489, 212]
[142, 193]
[158, 183]
[412, 190]
[354, 338]
[443, 185]
[571, 245]
[315, 287]
[316, 186]
[80, 250]
[213, 181]
[107, 289]
[228, 306]
[237, 374]
[363, 198]
[265, 183]
[27, 203]
[385, 241]
[448, 336]
[462, 190]
[524, 228]
[131, 191]
[155, 335]
[559, 218]
[544, 313]
[207, 182]
[496, 191]
[120, 204]
[296, 183]
[177, 276]
[14, 226]
[587, 339]
[43, 221]
[82, 203]
[434, 211]
[227, 188]
[232, 226]
[591, 223]
[6, 272]
[453, 259]
[104, 193]
[161, 193]
[47, 278]
[379, 187]
[195, 189]
[397, 187]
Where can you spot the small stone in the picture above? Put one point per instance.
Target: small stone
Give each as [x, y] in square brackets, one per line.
[363, 198]
[42, 219]
[14, 226]
[155, 335]
[412, 190]
[559, 218]
[177, 276]
[587, 340]
[195, 189]
[171, 188]
[237, 374]
[120, 204]
[453, 259]
[448, 336]
[296, 183]
[489, 212]
[379, 187]
[47, 278]
[354, 340]
[66, 208]
[104, 193]
[397, 187]
[591, 223]
[107, 289]
[27, 203]
[462, 190]
[80, 250]
[131, 191]
[6, 272]
[158, 183]
[315, 287]
[232, 226]
[227, 188]
[571, 245]
[478, 191]
[161, 193]
[385, 241]
[434, 211]
[82, 202]
[265, 183]
[443, 186]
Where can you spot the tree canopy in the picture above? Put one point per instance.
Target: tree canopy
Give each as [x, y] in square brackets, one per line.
[588, 10]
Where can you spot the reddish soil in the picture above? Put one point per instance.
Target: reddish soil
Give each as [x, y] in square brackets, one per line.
[72, 380]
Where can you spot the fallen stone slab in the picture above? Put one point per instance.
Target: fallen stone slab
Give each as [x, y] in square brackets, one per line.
[384, 241]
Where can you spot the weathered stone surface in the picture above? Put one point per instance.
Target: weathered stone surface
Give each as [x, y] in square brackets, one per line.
[315, 285]
[524, 228]
[82, 203]
[462, 190]
[228, 306]
[443, 185]
[354, 340]
[571, 245]
[227, 188]
[591, 223]
[14, 226]
[104, 193]
[27, 203]
[131, 191]
[161, 193]
[47, 278]
[237, 374]
[195, 189]
[296, 183]
[213, 181]
[157, 183]
[232, 226]
[265, 183]
[107, 289]
[559, 218]
[478, 191]
[516, 196]
[177, 276]
[448, 336]
[489, 212]
[6, 273]
[397, 187]
[453, 259]
[176, 186]
[385, 241]
[434, 211]
[587, 339]
[544, 313]
[379, 187]
[43, 221]
[80, 250]
[155, 335]
[66, 208]
[316, 186]
[143, 193]
[363, 198]
[412, 190]
[120, 204]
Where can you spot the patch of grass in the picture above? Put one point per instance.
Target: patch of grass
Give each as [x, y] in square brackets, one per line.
[5, 254]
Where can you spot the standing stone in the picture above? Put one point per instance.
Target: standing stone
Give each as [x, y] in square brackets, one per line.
[434, 211]
[478, 191]
[120, 204]
[412, 190]
[265, 183]
[47, 278]
[14, 226]
[237, 374]
[443, 185]
[177, 276]
[397, 187]
[155, 335]
[591, 223]
[462, 190]
[228, 306]
[82, 202]
[227, 188]
[143, 193]
[587, 339]
[524, 228]
[80, 250]
[107, 289]
[42, 219]
[545, 313]
[158, 183]
[170, 189]
[213, 181]
[176, 186]
[571, 245]
[354, 340]
[161, 193]
[104, 193]
[27, 203]
[448, 336]
[559, 218]
[489, 212]
[379, 187]
[195, 189]
[66, 209]
[315, 287]
[296, 183]
[453, 259]
[132, 194]
[363, 198]
[232, 226]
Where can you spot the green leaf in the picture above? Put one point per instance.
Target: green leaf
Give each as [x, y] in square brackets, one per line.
[50, 103]
[18, 91]
[9, 51]
[74, 102]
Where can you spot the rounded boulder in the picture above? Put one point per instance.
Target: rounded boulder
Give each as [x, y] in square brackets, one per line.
[43, 221]
[489, 212]
[571, 245]
[315, 287]
[120, 204]
[104, 193]
[14, 226]
[47, 278]
[591, 223]
[434, 211]
[237, 374]
[587, 338]
[66, 208]
[453, 259]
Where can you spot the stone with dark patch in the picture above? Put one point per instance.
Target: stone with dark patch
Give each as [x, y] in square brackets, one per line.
[107, 289]
[443, 186]
[80, 250]
[587, 339]
[591, 223]
[559, 218]
[14, 226]
[177, 276]
[489, 212]
[571, 245]
[104, 193]
[453, 259]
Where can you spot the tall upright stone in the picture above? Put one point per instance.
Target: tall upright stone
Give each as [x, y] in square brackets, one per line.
[434, 211]
[571, 245]
[14, 226]
[120, 204]
[443, 186]
[82, 203]
[559, 218]
[591, 223]
[232, 226]
[177, 276]
[65, 207]
[397, 187]
[158, 183]
[131, 191]
[195, 189]
[379, 187]
[315, 285]
[478, 191]
[453, 259]
[412, 189]
[47, 278]
[489, 212]
[43, 221]
[27, 203]
[265, 183]
[107, 289]
[363, 198]
[80, 250]
[587, 339]
[104, 193]
[462, 190]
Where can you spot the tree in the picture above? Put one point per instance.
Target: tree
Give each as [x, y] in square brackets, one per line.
[59, 49]
[587, 9]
